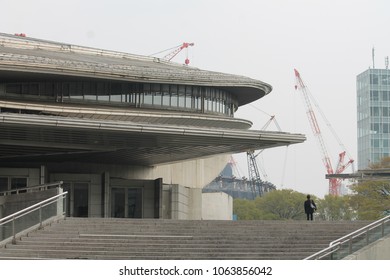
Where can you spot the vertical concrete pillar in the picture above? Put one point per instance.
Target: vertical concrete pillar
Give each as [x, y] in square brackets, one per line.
[106, 195]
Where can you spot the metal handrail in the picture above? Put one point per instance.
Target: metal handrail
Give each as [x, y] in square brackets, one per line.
[335, 245]
[25, 211]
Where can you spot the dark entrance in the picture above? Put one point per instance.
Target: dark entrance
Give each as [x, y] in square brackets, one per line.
[126, 202]
[77, 199]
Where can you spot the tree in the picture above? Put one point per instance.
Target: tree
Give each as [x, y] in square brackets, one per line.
[335, 208]
[282, 204]
[246, 210]
[371, 198]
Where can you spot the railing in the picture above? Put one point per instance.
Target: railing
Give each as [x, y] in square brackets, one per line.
[344, 246]
[32, 217]
[42, 187]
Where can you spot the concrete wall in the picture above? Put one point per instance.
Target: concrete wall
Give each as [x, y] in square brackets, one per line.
[217, 206]
[192, 173]
[183, 200]
[33, 174]
[378, 250]
[179, 202]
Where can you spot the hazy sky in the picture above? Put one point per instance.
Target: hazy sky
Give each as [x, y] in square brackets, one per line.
[329, 42]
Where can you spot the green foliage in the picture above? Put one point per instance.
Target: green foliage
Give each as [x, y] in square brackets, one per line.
[371, 199]
[246, 210]
[276, 205]
[335, 208]
[283, 204]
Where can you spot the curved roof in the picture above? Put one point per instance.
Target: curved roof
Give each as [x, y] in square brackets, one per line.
[28, 57]
[40, 138]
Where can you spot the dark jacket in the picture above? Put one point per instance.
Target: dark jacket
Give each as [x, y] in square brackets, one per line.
[308, 208]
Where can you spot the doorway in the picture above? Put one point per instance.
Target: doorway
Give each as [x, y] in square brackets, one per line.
[126, 203]
[77, 200]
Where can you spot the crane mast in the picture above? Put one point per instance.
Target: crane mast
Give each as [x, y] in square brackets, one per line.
[254, 175]
[334, 183]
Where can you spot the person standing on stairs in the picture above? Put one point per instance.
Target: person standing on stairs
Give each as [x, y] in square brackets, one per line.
[310, 207]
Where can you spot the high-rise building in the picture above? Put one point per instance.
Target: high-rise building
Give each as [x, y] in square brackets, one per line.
[373, 116]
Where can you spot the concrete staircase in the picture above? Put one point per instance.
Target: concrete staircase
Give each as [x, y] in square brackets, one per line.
[110, 239]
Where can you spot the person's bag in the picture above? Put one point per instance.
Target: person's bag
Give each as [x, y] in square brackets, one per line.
[313, 206]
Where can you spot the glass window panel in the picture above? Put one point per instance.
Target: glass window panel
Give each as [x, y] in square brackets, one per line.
[103, 97]
[116, 98]
[385, 79]
[166, 99]
[117, 202]
[80, 199]
[174, 99]
[158, 99]
[3, 184]
[188, 102]
[385, 128]
[18, 183]
[374, 95]
[182, 101]
[134, 202]
[385, 111]
[100, 89]
[89, 94]
[373, 79]
[385, 96]
[148, 98]
[13, 88]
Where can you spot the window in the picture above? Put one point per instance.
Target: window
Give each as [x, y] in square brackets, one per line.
[375, 111]
[152, 95]
[373, 79]
[385, 79]
[374, 95]
[385, 128]
[18, 183]
[3, 184]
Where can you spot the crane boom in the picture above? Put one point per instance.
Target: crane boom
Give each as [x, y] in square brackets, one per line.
[178, 49]
[334, 183]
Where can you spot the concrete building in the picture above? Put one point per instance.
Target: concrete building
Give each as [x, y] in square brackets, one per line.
[373, 116]
[130, 136]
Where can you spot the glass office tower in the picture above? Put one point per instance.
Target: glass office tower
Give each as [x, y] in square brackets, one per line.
[373, 116]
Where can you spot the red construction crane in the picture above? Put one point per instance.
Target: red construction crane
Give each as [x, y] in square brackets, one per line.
[179, 49]
[334, 183]
[175, 51]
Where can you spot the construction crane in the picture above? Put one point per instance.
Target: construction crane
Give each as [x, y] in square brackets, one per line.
[259, 187]
[254, 175]
[334, 183]
[175, 50]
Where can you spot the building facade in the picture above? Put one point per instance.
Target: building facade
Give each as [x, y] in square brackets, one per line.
[129, 136]
[373, 116]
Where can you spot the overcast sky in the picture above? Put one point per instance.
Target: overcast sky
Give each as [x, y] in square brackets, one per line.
[329, 42]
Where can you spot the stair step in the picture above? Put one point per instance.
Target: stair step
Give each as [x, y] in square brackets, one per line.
[98, 238]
